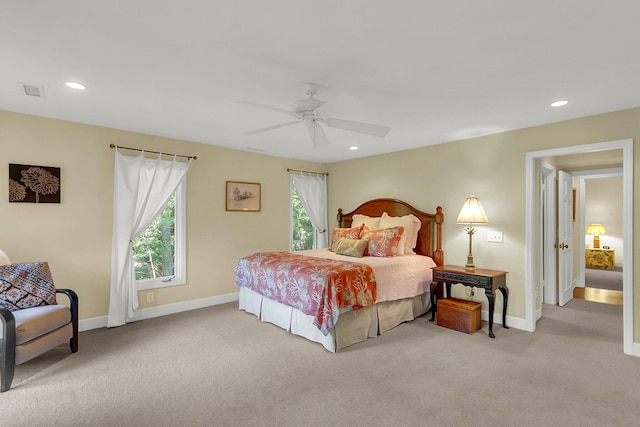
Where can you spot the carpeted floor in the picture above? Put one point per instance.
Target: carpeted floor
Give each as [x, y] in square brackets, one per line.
[222, 367]
[603, 279]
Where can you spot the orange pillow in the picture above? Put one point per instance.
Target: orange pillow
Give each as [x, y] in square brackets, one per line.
[339, 233]
[383, 242]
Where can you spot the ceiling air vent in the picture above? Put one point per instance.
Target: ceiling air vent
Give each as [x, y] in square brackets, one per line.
[31, 90]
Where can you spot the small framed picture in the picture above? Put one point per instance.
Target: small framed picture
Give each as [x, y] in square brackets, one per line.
[34, 184]
[243, 196]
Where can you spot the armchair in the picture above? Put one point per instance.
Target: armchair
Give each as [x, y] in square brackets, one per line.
[29, 332]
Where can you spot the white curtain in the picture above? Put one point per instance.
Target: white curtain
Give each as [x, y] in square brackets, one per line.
[312, 191]
[142, 187]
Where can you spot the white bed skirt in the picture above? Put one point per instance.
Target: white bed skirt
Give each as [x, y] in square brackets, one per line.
[352, 326]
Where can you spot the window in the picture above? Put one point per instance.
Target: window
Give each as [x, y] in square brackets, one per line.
[159, 252]
[302, 233]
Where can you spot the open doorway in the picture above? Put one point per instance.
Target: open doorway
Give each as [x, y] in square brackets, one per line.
[600, 211]
[534, 253]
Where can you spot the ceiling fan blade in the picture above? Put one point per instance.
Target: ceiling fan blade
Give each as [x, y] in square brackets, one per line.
[366, 128]
[271, 127]
[318, 137]
[268, 107]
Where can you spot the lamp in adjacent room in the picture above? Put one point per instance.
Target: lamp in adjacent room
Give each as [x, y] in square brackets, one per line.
[471, 213]
[596, 230]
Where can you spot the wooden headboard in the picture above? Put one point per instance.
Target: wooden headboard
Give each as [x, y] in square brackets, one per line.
[429, 236]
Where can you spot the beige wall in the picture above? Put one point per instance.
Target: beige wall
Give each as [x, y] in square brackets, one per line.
[492, 168]
[75, 235]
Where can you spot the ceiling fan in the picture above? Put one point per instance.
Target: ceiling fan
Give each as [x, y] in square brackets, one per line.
[304, 111]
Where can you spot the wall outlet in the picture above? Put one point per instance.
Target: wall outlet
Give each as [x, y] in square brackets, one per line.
[150, 297]
[494, 236]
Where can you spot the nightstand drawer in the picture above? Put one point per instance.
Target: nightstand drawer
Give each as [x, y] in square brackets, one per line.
[465, 279]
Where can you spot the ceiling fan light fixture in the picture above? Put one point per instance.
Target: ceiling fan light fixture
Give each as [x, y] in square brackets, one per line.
[306, 106]
[304, 111]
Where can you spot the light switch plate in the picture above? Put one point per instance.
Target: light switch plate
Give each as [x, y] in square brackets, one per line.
[494, 236]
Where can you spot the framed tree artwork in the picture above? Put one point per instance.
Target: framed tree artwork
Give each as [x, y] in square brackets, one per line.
[34, 184]
[243, 196]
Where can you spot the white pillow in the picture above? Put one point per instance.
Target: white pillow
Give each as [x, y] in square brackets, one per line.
[4, 259]
[371, 222]
[411, 225]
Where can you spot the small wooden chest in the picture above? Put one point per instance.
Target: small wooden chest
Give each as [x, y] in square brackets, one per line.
[458, 314]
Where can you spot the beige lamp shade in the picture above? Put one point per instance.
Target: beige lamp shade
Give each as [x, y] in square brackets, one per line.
[596, 230]
[472, 212]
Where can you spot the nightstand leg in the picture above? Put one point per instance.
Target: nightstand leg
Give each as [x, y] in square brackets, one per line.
[505, 299]
[434, 289]
[492, 305]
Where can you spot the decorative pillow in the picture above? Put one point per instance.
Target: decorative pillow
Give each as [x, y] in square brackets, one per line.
[383, 242]
[352, 247]
[411, 225]
[26, 285]
[368, 221]
[339, 233]
[4, 259]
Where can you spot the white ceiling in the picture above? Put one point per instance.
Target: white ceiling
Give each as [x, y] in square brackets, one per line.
[433, 71]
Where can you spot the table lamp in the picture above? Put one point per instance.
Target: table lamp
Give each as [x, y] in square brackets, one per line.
[471, 213]
[596, 230]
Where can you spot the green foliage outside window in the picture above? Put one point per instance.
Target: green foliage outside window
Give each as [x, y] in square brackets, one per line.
[302, 227]
[154, 248]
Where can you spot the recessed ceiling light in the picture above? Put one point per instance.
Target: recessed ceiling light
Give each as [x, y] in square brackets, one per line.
[354, 148]
[74, 85]
[559, 103]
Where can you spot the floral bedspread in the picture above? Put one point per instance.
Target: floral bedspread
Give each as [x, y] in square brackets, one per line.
[318, 287]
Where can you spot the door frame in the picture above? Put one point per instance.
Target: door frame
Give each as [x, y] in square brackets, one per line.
[531, 257]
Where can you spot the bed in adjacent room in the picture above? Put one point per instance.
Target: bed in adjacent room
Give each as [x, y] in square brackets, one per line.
[375, 275]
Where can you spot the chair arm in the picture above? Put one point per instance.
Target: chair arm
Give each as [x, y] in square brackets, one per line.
[7, 348]
[8, 327]
[73, 306]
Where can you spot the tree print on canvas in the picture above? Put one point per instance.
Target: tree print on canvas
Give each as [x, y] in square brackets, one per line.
[34, 184]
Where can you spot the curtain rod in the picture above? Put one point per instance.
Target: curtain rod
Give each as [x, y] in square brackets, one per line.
[151, 151]
[309, 172]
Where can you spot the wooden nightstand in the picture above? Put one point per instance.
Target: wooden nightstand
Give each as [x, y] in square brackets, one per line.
[600, 258]
[489, 280]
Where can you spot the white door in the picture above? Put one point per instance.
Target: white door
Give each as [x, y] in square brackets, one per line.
[565, 238]
[548, 215]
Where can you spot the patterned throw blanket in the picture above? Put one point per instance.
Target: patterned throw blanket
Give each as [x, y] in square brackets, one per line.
[316, 286]
[26, 285]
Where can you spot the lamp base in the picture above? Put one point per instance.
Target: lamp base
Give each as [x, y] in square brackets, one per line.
[596, 241]
[469, 266]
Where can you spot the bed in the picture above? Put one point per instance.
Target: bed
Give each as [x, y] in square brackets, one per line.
[400, 291]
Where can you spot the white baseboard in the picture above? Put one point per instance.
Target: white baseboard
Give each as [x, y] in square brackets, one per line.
[92, 323]
[512, 322]
[161, 310]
